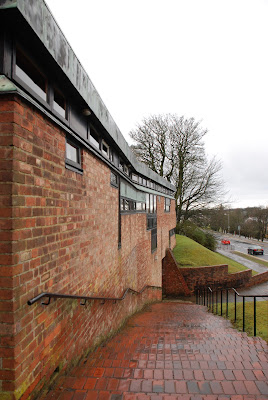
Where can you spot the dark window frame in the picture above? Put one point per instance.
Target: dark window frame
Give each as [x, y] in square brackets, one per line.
[95, 137]
[167, 205]
[114, 184]
[70, 164]
[66, 116]
[154, 240]
[31, 60]
[129, 206]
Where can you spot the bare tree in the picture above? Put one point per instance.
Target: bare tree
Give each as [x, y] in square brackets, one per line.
[173, 147]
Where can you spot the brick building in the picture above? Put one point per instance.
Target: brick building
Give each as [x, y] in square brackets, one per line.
[79, 214]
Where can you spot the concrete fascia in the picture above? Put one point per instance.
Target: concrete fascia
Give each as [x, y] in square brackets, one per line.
[39, 17]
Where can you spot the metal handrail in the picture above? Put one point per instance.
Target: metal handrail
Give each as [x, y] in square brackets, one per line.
[85, 298]
[205, 296]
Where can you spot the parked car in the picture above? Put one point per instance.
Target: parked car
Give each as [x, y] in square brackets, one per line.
[253, 249]
[225, 241]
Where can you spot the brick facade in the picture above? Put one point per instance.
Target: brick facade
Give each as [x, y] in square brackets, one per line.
[59, 233]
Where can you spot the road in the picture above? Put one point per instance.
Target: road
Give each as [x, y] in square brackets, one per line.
[241, 244]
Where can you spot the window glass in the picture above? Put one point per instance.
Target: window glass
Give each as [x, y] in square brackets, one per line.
[105, 149]
[135, 177]
[59, 104]
[30, 75]
[114, 179]
[121, 165]
[153, 239]
[167, 204]
[125, 169]
[147, 202]
[140, 206]
[72, 153]
[151, 203]
[94, 138]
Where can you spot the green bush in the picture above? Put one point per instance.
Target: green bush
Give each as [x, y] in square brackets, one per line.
[192, 231]
[210, 242]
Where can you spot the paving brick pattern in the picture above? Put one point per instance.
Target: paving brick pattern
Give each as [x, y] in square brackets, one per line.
[171, 351]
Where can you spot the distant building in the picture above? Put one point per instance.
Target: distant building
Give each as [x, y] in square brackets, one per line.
[79, 214]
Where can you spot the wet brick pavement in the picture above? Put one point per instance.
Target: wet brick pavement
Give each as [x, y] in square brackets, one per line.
[171, 351]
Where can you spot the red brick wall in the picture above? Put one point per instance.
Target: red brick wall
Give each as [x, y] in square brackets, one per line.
[182, 281]
[173, 282]
[258, 279]
[216, 274]
[59, 233]
[204, 275]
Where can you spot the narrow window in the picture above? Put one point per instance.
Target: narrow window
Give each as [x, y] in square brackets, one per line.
[140, 206]
[153, 239]
[125, 169]
[147, 202]
[29, 75]
[59, 103]
[167, 204]
[73, 156]
[121, 165]
[135, 178]
[111, 155]
[151, 203]
[114, 180]
[94, 138]
[105, 149]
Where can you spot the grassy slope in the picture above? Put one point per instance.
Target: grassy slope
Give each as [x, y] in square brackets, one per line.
[191, 254]
[188, 253]
[261, 317]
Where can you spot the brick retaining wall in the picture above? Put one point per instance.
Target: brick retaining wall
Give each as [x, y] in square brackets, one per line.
[179, 281]
[258, 279]
[173, 282]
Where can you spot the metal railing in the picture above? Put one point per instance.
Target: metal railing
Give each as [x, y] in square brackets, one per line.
[85, 298]
[215, 298]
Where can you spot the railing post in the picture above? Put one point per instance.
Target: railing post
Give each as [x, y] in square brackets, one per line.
[235, 306]
[243, 313]
[255, 328]
[212, 305]
[207, 297]
[221, 301]
[216, 301]
[227, 303]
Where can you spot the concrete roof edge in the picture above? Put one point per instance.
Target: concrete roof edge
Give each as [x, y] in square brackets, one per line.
[41, 20]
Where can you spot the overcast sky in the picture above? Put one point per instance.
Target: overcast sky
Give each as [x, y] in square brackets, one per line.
[206, 59]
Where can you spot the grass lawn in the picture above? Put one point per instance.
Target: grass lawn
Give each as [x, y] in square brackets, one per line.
[261, 317]
[189, 253]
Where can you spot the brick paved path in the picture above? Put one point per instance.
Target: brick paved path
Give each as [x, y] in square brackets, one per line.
[171, 351]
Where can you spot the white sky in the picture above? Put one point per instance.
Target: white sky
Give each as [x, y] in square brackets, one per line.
[206, 59]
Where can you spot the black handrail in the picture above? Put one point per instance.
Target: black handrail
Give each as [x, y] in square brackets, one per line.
[205, 296]
[85, 298]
